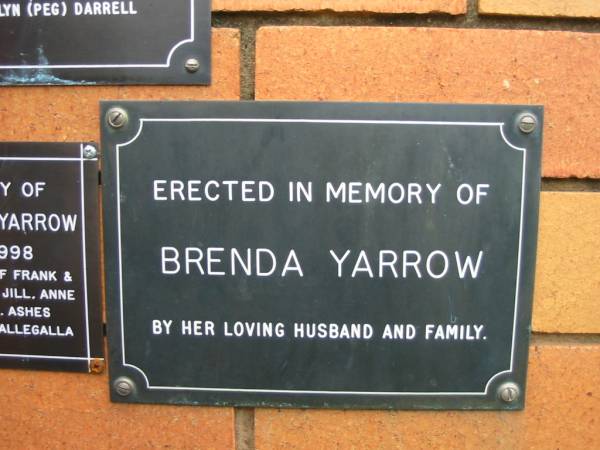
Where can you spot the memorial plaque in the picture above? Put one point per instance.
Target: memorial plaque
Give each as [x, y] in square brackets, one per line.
[50, 315]
[105, 42]
[321, 254]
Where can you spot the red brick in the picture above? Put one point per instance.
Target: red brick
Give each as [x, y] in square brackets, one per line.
[553, 8]
[371, 6]
[567, 286]
[562, 411]
[560, 70]
[60, 113]
[46, 410]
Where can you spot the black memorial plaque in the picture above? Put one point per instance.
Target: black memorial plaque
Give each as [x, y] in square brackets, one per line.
[50, 315]
[321, 255]
[105, 42]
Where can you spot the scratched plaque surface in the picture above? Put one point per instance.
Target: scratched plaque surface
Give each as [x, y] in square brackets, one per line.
[50, 315]
[104, 42]
[320, 255]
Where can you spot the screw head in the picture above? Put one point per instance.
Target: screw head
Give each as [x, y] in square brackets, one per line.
[97, 366]
[509, 392]
[89, 152]
[192, 65]
[117, 117]
[527, 123]
[123, 386]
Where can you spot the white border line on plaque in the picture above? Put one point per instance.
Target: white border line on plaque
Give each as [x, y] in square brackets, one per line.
[192, 38]
[81, 160]
[500, 126]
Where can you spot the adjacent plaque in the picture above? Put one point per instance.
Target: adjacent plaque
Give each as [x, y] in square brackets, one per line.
[321, 255]
[50, 315]
[105, 42]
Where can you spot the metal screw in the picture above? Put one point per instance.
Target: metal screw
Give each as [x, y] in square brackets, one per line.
[97, 366]
[192, 65]
[509, 392]
[89, 152]
[117, 117]
[527, 123]
[123, 386]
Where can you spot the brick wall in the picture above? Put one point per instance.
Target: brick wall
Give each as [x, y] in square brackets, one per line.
[492, 51]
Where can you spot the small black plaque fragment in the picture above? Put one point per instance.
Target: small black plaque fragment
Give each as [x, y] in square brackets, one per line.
[105, 42]
[50, 315]
[321, 254]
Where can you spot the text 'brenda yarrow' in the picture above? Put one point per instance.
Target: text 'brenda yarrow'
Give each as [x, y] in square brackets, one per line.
[263, 262]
